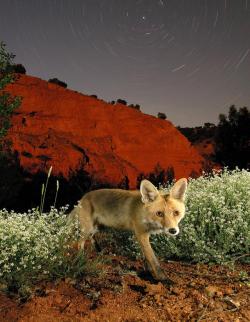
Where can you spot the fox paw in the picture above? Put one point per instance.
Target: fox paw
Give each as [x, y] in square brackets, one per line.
[161, 276]
[168, 282]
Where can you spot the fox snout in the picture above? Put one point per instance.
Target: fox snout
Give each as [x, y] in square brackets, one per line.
[173, 231]
[171, 224]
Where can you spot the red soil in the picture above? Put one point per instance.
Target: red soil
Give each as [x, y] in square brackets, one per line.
[200, 293]
[68, 130]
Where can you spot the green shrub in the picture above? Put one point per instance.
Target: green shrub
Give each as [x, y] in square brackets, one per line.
[8, 103]
[36, 246]
[216, 227]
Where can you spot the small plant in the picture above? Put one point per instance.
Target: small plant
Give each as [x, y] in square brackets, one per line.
[57, 188]
[19, 69]
[121, 101]
[135, 106]
[161, 116]
[44, 190]
[244, 277]
[58, 82]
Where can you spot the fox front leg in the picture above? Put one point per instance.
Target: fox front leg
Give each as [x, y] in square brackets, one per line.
[151, 260]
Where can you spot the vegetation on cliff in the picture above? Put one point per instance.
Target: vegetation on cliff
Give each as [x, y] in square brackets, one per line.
[8, 103]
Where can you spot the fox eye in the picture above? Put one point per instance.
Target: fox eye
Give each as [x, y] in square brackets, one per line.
[176, 213]
[160, 213]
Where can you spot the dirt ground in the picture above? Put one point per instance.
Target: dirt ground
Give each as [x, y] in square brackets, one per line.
[200, 293]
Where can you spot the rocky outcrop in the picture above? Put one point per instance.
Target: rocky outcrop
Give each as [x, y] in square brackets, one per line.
[68, 130]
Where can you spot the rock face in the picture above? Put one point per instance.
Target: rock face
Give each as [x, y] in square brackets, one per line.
[69, 130]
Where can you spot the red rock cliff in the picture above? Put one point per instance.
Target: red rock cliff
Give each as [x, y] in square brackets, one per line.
[68, 130]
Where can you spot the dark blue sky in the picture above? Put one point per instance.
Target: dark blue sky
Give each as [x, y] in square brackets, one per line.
[187, 58]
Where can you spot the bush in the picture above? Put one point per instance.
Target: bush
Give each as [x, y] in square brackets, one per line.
[8, 103]
[135, 106]
[58, 82]
[161, 116]
[19, 68]
[36, 246]
[217, 222]
[121, 101]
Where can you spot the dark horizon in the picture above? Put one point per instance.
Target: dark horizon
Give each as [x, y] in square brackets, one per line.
[189, 60]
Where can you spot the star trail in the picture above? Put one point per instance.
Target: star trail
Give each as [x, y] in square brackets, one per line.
[188, 59]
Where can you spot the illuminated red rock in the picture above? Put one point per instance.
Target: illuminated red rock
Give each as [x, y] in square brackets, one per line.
[69, 130]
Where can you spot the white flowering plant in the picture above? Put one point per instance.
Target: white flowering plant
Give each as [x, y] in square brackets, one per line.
[36, 246]
[216, 227]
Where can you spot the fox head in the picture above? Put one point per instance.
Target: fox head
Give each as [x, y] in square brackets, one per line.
[163, 212]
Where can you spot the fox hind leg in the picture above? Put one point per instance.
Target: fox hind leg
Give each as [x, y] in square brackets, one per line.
[96, 244]
[87, 227]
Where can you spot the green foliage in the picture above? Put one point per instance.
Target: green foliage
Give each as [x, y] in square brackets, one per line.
[6, 75]
[36, 246]
[44, 190]
[233, 137]
[216, 227]
[7, 103]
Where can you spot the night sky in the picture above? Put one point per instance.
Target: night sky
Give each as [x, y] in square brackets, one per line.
[187, 58]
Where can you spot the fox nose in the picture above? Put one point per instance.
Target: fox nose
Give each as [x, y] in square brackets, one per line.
[172, 231]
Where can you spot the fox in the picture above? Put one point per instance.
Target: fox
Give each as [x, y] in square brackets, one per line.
[144, 212]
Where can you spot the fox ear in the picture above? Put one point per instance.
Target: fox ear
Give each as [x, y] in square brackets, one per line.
[179, 189]
[148, 191]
